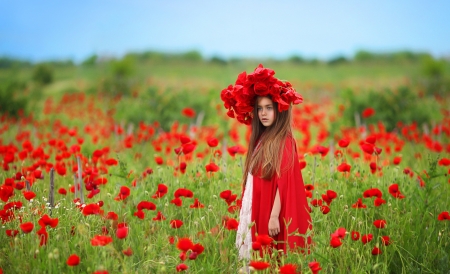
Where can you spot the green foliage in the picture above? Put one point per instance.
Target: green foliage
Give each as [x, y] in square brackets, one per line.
[433, 68]
[43, 74]
[8, 63]
[119, 81]
[391, 107]
[337, 60]
[90, 61]
[11, 101]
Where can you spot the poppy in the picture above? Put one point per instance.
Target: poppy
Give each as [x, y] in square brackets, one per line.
[315, 267]
[288, 269]
[185, 244]
[91, 209]
[197, 204]
[140, 214]
[188, 112]
[112, 216]
[366, 238]
[43, 236]
[176, 223]
[379, 223]
[101, 240]
[368, 112]
[344, 167]
[367, 148]
[184, 139]
[386, 240]
[73, 260]
[359, 204]
[122, 232]
[193, 255]
[378, 201]
[325, 209]
[198, 248]
[187, 148]
[212, 167]
[159, 160]
[159, 217]
[181, 267]
[397, 160]
[343, 143]
[28, 195]
[443, 216]
[316, 202]
[123, 193]
[372, 192]
[183, 256]
[393, 190]
[258, 265]
[376, 251]
[256, 245]
[355, 235]
[127, 252]
[212, 142]
[62, 191]
[12, 232]
[46, 220]
[302, 164]
[444, 162]
[339, 233]
[177, 201]
[264, 239]
[27, 227]
[111, 162]
[335, 242]
[161, 191]
[232, 224]
[146, 205]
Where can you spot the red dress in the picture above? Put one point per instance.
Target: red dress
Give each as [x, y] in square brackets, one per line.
[294, 208]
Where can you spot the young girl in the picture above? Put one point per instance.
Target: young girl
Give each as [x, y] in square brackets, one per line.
[274, 201]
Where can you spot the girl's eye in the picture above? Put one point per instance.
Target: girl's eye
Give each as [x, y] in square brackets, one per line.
[269, 107]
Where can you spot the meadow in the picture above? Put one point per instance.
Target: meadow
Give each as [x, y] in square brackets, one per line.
[137, 169]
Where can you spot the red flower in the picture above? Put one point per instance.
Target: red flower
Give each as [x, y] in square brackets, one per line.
[379, 223]
[355, 235]
[91, 209]
[112, 216]
[235, 150]
[368, 148]
[325, 209]
[211, 167]
[176, 201]
[185, 244]
[212, 142]
[344, 167]
[302, 164]
[73, 260]
[62, 191]
[232, 224]
[315, 267]
[335, 242]
[339, 233]
[198, 248]
[228, 196]
[43, 236]
[376, 251]
[197, 204]
[188, 112]
[397, 160]
[122, 232]
[344, 143]
[393, 190]
[264, 239]
[288, 269]
[27, 227]
[359, 204]
[159, 160]
[386, 240]
[371, 139]
[323, 151]
[46, 220]
[316, 202]
[176, 223]
[181, 267]
[123, 193]
[378, 201]
[259, 265]
[146, 205]
[12, 232]
[444, 162]
[140, 214]
[111, 162]
[366, 238]
[256, 245]
[162, 190]
[159, 217]
[372, 192]
[368, 112]
[127, 252]
[28, 195]
[188, 148]
[101, 240]
[443, 216]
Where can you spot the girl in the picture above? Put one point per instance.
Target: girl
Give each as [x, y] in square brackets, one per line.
[274, 201]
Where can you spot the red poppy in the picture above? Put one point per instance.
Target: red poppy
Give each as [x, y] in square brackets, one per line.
[232, 224]
[443, 216]
[386, 240]
[181, 267]
[339, 233]
[176, 201]
[123, 193]
[302, 164]
[264, 239]
[159, 160]
[366, 238]
[368, 148]
[228, 196]
[309, 187]
[101, 240]
[259, 265]
[176, 223]
[12, 232]
[188, 112]
[92, 209]
[344, 167]
[197, 204]
[182, 167]
[159, 217]
[355, 235]
[140, 214]
[393, 190]
[162, 190]
[315, 267]
[288, 269]
[379, 223]
[359, 204]
[378, 202]
[397, 160]
[127, 252]
[368, 112]
[122, 232]
[212, 142]
[62, 191]
[335, 242]
[372, 192]
[112, 216]
[185, 244]
[188, 148]
[43, 236]
[146, 205]
[343, 143]
[27, 227]
[73, 260]
[376, 251]
[236, 150]
[198, 248]
[212, 167]
[46, 220]
[111, 162]
[323, 151]
[28, 195]
[101, 272]
[193, 255]
[444, 162]
[325, 209]
[316, 202]
[256, 245]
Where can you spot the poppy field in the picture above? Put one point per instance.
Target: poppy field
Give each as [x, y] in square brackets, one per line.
[83, 190]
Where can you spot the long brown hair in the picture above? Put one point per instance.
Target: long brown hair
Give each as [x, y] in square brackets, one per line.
[266, 160]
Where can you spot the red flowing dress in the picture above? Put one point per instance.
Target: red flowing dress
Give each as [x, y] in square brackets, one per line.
[294, 214]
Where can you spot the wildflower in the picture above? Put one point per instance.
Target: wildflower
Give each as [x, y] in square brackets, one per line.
[376, 251]
[443, 216]
[258, 265]
[122, 232]
[359, 204]
[73, 260]
[386, 240]
[212, 167]
[176, 223]
[185, 244]
[335, 242]
[343, 143]
[393, 190]
[344, 167]
[212, 142]
[181, 267]
[379, 223]
[315, 267]
[101, 240]
[366, 238]
[232, 224]
[197, 204]
[27, 227]
[127, 252]
[355, 235]
[288, 269]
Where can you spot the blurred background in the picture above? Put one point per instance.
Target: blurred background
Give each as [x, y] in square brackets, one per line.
[148, 60]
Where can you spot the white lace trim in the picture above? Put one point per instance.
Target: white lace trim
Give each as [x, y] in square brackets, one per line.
[244, 236]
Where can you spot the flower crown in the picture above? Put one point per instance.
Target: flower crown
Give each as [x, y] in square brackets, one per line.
[240, 98]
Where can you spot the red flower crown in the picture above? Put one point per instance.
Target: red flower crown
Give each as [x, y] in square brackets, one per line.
[240, 98]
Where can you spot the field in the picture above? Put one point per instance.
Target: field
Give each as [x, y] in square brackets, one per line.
[158, 166]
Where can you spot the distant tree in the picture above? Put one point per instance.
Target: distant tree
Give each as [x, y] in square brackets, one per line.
[218, 60]
[295, 59]
[337, 60]
[90, 61]
[192, 55]
[43, 74]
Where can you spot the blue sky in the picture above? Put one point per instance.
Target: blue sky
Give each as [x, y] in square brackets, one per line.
[55, 29]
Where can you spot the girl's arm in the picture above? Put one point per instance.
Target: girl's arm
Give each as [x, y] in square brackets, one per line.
[274, 223]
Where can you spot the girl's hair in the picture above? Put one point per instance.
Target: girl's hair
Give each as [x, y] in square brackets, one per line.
[266, 160]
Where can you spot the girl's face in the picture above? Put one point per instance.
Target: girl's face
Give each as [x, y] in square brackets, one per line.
[266, 112]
